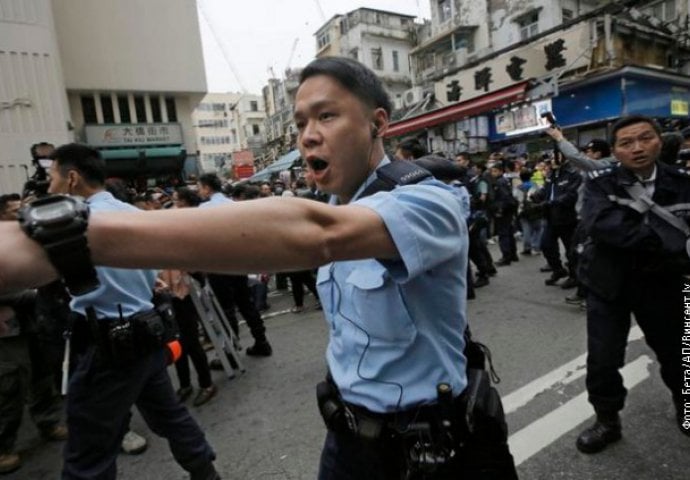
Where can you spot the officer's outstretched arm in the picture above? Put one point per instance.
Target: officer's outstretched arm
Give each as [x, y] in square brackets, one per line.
[274, 234]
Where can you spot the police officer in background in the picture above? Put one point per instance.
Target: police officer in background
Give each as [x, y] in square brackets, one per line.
[391, 280]
[121, 361]
[636, 217]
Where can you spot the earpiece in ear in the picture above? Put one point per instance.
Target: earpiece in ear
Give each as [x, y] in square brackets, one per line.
[374, 130]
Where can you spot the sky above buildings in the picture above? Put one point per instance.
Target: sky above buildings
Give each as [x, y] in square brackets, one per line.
[244, 39]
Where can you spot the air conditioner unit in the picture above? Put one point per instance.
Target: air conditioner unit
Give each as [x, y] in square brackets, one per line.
[398, 103]
[412, 96]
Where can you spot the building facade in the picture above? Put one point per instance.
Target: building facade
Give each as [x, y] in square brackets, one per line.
[379, 39]
[229, 129]
[493, 67]
[112, 73]
[33, 102]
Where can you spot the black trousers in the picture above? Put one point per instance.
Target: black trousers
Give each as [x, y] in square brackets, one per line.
[299, 280]
[98, 409]
[479, 252]
[505, 229]
[656, 302]
[188, 322]
[549, 245]
[233, 291]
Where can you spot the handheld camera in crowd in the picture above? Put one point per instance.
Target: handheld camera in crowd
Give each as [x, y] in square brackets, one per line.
[550, 117]
[41, 157]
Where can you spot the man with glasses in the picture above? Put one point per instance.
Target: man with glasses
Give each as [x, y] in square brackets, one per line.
[636, 217]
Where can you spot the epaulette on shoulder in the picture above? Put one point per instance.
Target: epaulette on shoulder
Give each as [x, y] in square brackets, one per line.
[599, 172]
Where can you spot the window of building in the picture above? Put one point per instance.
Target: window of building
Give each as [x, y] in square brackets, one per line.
[254, 106]
[107, 108]
[88, 108]
[664, 10]
[323, 40]
[378, 18]
[343, 26]
[464, 40]
[376, 59]
[567, 14]
[140, 108]
[444, 10]
[171, 109]
[255, 129]
[354, 53]
[156, 114]
[528, 25]
[396, 62]
[123, 105]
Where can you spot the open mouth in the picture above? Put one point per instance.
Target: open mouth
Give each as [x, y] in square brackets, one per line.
[317, 164]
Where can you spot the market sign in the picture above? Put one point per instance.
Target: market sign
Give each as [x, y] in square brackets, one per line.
[243, 157]
[547, 55]
[125, 134]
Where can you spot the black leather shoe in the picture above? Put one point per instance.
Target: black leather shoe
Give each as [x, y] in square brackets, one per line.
[492, 271]
[260, 349]
[569, 283]
[545, 269]
[481, 281]
[598, 437]
[502, 262]
[555, 277]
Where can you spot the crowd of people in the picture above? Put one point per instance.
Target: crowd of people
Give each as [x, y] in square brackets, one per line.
[394, 238]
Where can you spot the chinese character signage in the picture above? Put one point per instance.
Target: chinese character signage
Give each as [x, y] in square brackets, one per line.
[562, 49]
[125, 135]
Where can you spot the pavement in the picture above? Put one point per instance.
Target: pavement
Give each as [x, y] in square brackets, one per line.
[264, 423]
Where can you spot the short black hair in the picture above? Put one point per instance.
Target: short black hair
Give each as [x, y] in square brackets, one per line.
[211, 181]
[413, 146]
[84, 159]
[355, 77]
[189, 196]
[631, 120]
[42, 145]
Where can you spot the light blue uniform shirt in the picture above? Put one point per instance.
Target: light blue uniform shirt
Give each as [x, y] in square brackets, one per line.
[215, 200]
[396, 327]
[132, 289]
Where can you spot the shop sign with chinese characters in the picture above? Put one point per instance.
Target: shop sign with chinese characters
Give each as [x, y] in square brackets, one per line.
[538, 59]
[134, 134]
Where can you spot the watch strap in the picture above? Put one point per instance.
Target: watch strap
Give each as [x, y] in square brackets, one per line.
[72, 259]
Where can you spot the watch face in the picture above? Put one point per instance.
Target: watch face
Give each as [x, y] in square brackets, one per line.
[53, 212]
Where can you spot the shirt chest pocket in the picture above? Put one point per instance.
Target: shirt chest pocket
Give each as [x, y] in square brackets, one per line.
[379, 305]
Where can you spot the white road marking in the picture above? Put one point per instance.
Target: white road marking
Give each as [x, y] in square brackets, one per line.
[562, 375]
[549, 428]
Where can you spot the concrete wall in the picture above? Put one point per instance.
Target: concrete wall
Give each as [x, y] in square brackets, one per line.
[152, 45]
[33, 105]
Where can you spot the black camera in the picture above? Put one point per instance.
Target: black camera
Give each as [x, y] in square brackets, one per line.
[550, 118]
[41, 157]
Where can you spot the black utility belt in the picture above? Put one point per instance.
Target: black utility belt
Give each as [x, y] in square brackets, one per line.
[438, 420]
[120, 340]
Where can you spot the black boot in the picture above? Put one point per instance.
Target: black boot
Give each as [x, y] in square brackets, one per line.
[261, 348]
[556, 276]
[606, 430]
[481, 281]
[206, 473]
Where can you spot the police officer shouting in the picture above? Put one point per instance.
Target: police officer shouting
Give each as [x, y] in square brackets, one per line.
[634, 214]
[391, 281]
[113, 373]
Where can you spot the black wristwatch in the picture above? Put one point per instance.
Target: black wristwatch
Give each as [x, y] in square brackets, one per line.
[58, 223]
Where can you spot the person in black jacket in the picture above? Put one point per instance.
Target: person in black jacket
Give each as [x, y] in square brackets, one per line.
[633, 262]
[559, 197]
[504, 208]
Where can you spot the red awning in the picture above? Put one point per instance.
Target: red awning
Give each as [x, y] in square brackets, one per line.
[458, 111]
